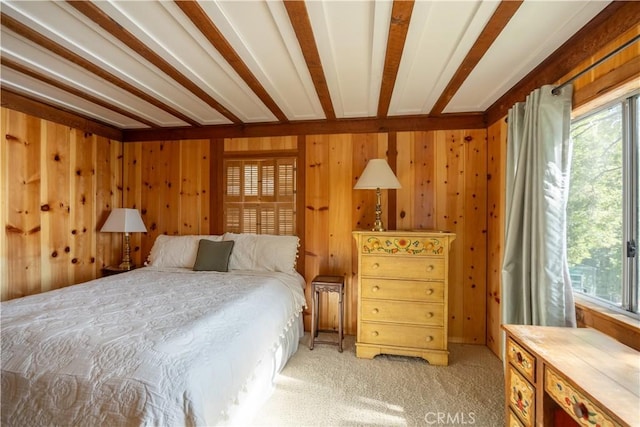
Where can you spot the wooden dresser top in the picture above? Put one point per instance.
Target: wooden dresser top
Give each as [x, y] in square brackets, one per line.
[416, 232]
[606, 370]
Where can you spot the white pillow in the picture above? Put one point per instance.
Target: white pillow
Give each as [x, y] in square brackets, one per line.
[243, 252]
[263, 252]
[177, 251]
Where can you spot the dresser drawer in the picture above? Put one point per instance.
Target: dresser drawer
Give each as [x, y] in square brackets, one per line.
[522, 360]
[513, 420]
[403, 267]
[409, 290]
[574, 402]
[402, 312]
[401, 335]
[403, 245]
[521, 396]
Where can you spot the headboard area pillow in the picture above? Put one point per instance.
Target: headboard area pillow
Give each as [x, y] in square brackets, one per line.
[177, 251]
[213, 256]
[263, 252]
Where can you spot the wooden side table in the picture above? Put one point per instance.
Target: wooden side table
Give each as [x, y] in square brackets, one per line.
[111, 270]
[327, 284]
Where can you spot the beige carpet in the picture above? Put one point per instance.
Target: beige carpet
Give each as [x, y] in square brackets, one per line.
[326, 388]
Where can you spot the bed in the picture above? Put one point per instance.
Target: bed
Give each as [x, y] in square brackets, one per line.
[160, 345]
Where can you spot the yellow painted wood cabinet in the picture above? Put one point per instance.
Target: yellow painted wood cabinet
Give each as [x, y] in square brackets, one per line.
[402, 294]
[569, 376]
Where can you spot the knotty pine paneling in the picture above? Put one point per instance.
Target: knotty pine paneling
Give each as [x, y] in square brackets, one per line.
[327, 235]
[194, 188]
[333, 210]
[169, 182]
[22, 145]
[82, 218]
[268, 143]
[496, 164]
[58, 185]
[4, 205]
[443, 176]
[132, 195]
[316, 256]
[613, 78]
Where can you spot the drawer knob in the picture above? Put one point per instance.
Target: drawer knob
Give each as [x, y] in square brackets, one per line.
[430, 291]
[430, 267]
[375, 311]
[375, 288]
[429, 338]
[375, 333]
[429, 315]
[375, 265]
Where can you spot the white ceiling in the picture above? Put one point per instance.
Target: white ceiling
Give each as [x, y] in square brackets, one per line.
[351, 39]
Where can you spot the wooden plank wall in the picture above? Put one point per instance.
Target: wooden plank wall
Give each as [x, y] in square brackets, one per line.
[606, 82]
[169, 183]
[444, 178]
[496, 162]
[58, 185]
[333, 210]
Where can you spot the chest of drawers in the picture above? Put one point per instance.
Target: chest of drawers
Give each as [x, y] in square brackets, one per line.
[402, 294]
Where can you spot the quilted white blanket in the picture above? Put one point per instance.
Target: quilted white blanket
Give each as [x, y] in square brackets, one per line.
[163, 347]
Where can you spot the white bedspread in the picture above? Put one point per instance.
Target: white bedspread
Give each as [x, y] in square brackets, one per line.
[165, 347]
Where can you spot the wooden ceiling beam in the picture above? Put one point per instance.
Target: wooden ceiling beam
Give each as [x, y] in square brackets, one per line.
[94, 13]
[312, 127]
[301, 24]
[201, 20]
[46, 43]
[23, 104]
[500, 18]
[616, 19]
[74, 91]
[398, 28]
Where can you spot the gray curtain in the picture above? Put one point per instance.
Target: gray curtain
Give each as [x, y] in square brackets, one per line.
[536, 288]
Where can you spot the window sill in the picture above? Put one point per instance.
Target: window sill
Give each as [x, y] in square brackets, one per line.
[625, 329]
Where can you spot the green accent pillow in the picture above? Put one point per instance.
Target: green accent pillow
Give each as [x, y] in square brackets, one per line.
[213, 256]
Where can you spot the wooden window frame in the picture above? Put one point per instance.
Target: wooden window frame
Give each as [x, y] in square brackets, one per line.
[217, 157]
[254, 197]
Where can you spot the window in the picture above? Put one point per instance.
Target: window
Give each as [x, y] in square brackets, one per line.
[602, 210]
[260, 196]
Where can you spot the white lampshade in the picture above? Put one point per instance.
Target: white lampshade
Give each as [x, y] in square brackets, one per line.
[377, 174]
[123, 220]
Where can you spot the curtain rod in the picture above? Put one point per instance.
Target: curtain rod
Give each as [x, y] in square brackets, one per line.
[556, 90]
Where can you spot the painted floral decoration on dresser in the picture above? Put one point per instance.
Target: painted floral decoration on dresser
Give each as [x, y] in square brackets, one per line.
[580, 408]
[406, 245]
[522, 361]
[521, 403]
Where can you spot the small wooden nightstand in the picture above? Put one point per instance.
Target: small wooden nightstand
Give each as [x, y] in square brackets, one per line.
[326, 284]
[110, 270]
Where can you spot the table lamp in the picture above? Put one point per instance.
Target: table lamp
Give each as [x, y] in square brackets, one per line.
[124, 220]
[377, 175]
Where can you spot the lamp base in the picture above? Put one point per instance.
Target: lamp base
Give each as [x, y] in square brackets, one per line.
[126, 265]
[377, 225]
